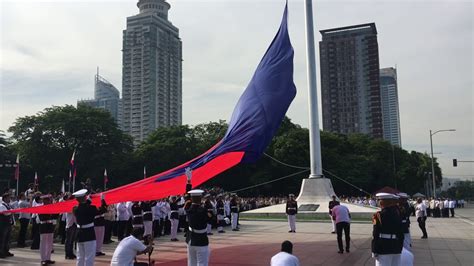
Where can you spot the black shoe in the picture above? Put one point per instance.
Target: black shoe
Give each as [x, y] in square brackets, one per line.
[291, 231]
[333, 232]
[347, 251]
[235, 230]
[221, 231]
[44, 263]
[424, 237]
[70, 257]
[209, 234]
[97, 254]
[50, 262]
[9, 254]
[340, 252]
[174, 239]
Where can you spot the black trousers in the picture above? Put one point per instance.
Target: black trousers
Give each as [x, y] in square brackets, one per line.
[35, 235]
[70, 237]
[5, 234]
[428, 212]
[62, 231]
[452, 211]
[422, 225]
[167, 226]
[121, 228]
[22, 234]
[157, 228]
[108, 231]
[347, 231]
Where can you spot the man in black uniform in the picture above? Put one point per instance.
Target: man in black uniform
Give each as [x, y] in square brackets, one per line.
[210, 210]
[6, 224]
[291, 211]
[234, 212]
[196, 238]
[333, 203]
[220, 214]
[46, 230]
[147, 220]
[405, 213]
[85, 214]
[387, 242]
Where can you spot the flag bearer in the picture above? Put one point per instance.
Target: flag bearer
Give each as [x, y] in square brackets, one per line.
[86, 241]
[46, 230]
[196, 238]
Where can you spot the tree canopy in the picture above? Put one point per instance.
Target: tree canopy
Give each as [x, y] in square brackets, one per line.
[47, 140]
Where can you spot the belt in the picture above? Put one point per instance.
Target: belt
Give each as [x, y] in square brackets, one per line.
[210, 210]
[138, 215]
[404, 221]
[291, 208]
[98, 216]
[137, 225]
[146, 212]
[46, 222]
[388, 236]
[198, 231]
[174, 211]
[85, 226]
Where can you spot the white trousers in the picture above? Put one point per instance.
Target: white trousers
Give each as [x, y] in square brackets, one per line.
[86, 253]
[233, 217]
[147, 227]
[388, 260]
[46, 246]
[292, 222]
[333, 224]
[198, 256]
[209, 228]
[407, 241]
[220, 221]
[99, 237]
[174, 228]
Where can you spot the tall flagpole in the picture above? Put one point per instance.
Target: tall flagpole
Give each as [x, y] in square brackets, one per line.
[17, 174]
[314, 136]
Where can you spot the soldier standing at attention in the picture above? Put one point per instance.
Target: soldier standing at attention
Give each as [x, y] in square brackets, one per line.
[196, 238]
[99, 229]
[210, 210]
[220, 214]
[291, 211]
[174, 218]
[85, 213]
[405, 212]
[333, 203]
[46, 230]
[234, 212]
[387, 241]
[147, 220]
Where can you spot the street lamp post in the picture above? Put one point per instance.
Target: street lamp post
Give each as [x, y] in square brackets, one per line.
[432, 159]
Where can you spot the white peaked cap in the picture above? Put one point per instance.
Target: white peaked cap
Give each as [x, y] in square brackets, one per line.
[403, 195]
[196, 192]
[80, 193]
[384, 195]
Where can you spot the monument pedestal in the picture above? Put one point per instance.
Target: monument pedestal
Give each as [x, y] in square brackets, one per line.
[313, 203]
[316, 190]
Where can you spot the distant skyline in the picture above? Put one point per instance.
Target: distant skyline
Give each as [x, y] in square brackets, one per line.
[50, 50]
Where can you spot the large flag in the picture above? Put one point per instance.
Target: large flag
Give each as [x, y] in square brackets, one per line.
[254, 122]
[17, 168]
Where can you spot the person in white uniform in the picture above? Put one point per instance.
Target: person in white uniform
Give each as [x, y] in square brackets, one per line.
[129, 248]
[285, 257]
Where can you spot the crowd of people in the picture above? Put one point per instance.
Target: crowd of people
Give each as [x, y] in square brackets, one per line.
[88, 228]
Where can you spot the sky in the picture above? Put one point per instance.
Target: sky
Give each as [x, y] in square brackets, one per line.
[50, 50]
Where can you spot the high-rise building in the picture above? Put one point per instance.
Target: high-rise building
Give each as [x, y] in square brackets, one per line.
[151, 71]
[350, 80]
[390, 109]
[106, 96]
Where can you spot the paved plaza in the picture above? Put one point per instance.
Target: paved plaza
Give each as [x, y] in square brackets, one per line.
[450, 242]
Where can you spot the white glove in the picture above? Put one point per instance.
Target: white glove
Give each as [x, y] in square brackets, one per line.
[189, 173]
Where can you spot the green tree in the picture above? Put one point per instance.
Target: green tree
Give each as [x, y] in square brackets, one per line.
[46, 142]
